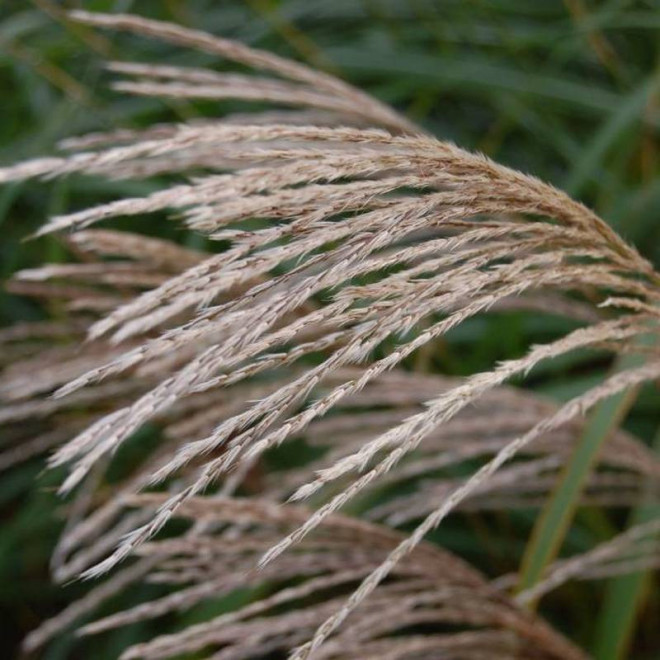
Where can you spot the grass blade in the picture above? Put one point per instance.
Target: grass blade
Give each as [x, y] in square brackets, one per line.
[624, 598]
[553, 523]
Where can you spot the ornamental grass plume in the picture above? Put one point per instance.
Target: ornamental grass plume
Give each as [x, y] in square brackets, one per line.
[373, 239]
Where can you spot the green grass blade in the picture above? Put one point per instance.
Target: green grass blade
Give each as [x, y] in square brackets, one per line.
[551, 526]
[605, 138]
[624, 597]
[473, 73]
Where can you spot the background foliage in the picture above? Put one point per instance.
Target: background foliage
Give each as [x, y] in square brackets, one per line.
[568, 91]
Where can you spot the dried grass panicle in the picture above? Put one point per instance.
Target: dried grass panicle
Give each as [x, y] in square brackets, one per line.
[343, 552]
[376, 239]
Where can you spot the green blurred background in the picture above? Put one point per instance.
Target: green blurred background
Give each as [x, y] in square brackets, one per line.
[568, 91]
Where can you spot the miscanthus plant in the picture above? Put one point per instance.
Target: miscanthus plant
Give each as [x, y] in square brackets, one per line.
[351, 241]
